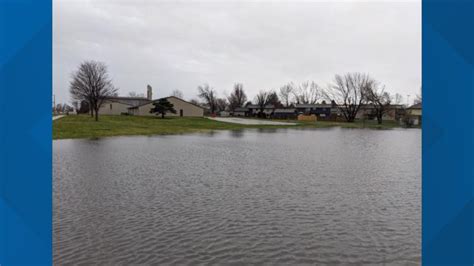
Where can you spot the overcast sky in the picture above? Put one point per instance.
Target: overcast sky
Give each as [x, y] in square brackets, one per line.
[180, 45]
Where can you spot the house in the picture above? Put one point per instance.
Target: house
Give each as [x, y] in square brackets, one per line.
[240, 111]
[285, 113]
[183, 108]
[119, 105]
[414, 114]
[322, 111]
[224, 113]
[255, 109]
[393, 112]
[142, 106]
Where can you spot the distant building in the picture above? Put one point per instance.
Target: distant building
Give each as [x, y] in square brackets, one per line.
[240, 111]
[183, 108]
[393, 112]
[120, 105]
[224, 113]
[285, 113]
[320, 110]
[254, 109]
[142, 106]
[414, 114]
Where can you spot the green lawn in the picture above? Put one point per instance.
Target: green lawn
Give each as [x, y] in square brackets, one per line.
[83, 126]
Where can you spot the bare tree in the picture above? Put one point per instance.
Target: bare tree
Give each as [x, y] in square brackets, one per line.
[221, 104]
[349, 93]
[380, 99]
[307, 93]
[285, 93]
[261, 99]
[398, 98]
[209, 96]
[91, 82]
[272, 98]
[177, 93]
[238, 97]
[195, 102]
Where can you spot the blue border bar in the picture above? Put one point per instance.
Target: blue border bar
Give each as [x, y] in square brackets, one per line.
[25, 132]
[448, 132]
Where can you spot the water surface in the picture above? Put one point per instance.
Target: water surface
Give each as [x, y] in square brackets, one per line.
[286, 196]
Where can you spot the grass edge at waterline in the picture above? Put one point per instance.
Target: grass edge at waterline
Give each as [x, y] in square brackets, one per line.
[83, 126]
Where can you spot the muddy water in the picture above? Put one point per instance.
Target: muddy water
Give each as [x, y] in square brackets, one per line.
[286, 196]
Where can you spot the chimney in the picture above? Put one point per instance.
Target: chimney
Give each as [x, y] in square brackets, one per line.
[148, 92]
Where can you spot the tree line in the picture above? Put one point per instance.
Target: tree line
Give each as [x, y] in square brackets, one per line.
[348, 92]
[91, 84]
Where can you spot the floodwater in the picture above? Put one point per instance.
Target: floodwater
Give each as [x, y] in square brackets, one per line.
[247, 121]
[287, 196]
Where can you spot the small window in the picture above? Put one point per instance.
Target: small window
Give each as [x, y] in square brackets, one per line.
[110, 106]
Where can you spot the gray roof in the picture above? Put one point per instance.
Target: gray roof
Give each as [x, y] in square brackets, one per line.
[286, 111]
[241, 109]
[255, 106]
[371, 106]
[415, 106]
[318, 105]
[132, 101]
[136, 106]
[183, 101]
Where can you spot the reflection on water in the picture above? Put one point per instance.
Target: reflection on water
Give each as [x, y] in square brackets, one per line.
[238, 133]
[250, 197]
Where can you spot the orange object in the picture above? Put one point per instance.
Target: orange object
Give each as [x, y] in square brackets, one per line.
[307, 118]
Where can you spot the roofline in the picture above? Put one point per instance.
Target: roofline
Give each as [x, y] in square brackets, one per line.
[313, 105]
[127, 98]
[118, 101]
[268, 106]
[183, 101]
[152, 101]
[415, 106]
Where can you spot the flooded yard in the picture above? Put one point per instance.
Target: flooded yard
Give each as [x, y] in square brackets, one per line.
[249, 121]
[287, 196]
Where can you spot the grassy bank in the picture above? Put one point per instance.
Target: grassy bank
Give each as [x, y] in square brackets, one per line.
[83, 126]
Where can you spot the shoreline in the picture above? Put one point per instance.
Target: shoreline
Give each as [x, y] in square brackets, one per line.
[84, 127]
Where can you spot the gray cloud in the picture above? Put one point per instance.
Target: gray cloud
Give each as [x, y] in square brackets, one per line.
[180, 45]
